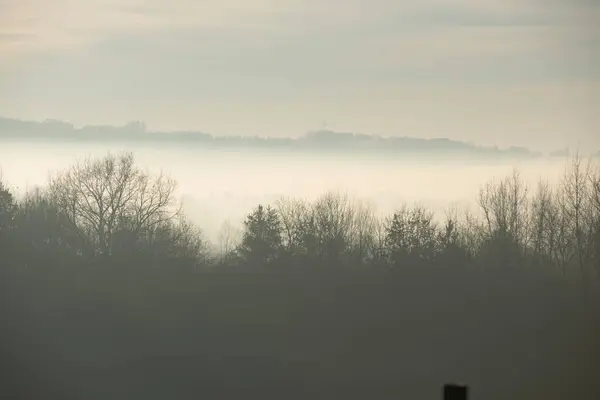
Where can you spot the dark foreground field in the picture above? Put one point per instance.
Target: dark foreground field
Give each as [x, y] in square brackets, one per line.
[108, 333]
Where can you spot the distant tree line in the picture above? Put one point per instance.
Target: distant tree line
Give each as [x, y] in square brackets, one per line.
[316, 141]
[110, 209]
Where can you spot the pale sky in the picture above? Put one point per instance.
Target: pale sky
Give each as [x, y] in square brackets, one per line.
[505, 72]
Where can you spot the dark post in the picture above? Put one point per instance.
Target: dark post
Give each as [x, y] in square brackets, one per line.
[456, 392]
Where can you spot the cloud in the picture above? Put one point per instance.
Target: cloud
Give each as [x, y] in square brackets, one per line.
[307, 38]
[68, 23]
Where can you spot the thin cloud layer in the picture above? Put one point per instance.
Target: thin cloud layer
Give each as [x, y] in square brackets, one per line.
[36, 24]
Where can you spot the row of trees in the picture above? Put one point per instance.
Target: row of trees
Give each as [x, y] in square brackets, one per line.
[554, 228]
[100, 209]
[109, 208]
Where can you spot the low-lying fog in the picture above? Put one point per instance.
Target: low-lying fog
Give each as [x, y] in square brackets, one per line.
[218, 186]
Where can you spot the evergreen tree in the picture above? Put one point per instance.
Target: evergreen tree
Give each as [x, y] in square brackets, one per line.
[7, 213]
[412, 236]
[262, 237]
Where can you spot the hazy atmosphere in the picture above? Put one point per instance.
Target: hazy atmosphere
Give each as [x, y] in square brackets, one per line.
[220, 185]
[300, 199]
[507, 73]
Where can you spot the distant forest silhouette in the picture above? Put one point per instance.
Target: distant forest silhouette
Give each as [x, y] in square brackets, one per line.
[109, 291]
[320, 140]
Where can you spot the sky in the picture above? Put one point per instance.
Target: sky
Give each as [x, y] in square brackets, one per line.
[510, 72]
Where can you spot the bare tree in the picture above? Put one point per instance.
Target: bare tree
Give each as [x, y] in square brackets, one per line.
[362, 231]
[594, 182]
[576, 209]
[563, 253]
[100, 196]
[505, 207]
[295, 216]
[380, 251]
[543, 220]
[474, 232]
[229, 239]
[594, 216]
[450, 233]
[333, 221]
